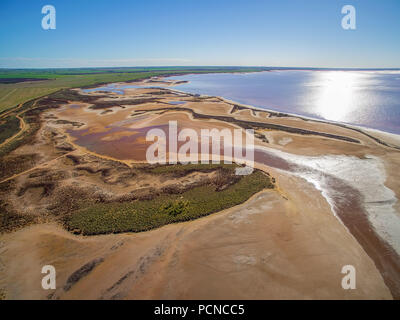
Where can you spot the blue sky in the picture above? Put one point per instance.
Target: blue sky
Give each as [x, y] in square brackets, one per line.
[287, 33]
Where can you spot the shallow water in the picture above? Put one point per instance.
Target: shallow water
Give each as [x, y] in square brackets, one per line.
[365, 98]
[330, 174]
[176, 102]
[358, 197]
[112, 87]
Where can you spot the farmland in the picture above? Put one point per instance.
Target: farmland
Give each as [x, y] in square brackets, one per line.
[52, 80]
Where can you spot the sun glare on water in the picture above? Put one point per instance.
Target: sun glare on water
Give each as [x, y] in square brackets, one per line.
[335, 98]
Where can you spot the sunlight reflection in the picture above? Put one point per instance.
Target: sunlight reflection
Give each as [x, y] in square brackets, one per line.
[335, 98]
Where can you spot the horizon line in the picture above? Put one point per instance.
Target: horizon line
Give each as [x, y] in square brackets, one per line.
[206, 66]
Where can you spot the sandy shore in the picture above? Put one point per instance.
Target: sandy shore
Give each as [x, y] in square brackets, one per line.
[269, 248]
[290, 243]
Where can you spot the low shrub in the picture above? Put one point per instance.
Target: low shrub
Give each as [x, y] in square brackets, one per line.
[176, 207]
[136, 216]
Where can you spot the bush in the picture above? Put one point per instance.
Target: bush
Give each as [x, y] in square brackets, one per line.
[176, 207]
[183, 169]
[136, 216]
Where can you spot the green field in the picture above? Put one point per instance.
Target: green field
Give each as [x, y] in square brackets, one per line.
[139, 216]
[12, 94]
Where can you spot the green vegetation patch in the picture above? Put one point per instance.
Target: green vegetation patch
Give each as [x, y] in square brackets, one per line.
[139, 216]
[190, 167]
[8, 127]
[176, 207]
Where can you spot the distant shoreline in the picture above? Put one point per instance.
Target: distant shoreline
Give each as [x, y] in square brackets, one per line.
[368, 131]
[358, 128]
[199, 67]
